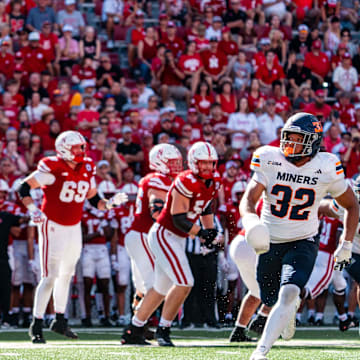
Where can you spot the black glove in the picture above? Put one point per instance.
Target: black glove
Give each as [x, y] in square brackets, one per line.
[208, 235]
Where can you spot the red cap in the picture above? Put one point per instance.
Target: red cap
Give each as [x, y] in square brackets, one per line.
[346, 56]
[225, 29]
[5, 43]
[316, 44]
[163, 16]
[135, 91]
[19, 68]
[18, 55]
[320, 92]
[342, 46]
[192, 111]
[171, 24]
[98, 95]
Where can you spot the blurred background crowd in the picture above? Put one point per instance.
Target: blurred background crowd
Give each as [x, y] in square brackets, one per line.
[130, 74]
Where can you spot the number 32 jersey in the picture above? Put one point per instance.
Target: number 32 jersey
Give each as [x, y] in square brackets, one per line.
[65, 189]
[193, 188]
[293, 194]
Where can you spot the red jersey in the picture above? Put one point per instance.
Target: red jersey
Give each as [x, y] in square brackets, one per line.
[346, 113]
[121, 218]
[190, 186]
[254, 103]
[268, 76]
[328, 234]
[84, 73]
[191, 63]
[7, 65]
[231, 214]
[319, 64]
[228, 47]
[137, 35]
[48, 44]
[203, 103]
[177, 46]
[202, 44]
[92, 221]
[282, 104]
[64, 199]
[227, 185]
[157, 181]
[34, 59]
[213, 62]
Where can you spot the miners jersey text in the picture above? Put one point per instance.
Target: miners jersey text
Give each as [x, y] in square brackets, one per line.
[293, 194]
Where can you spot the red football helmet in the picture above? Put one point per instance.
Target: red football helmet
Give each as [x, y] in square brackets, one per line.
[202, 152]
[71, 146]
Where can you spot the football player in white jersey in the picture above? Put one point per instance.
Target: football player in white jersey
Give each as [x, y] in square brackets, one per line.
[292, 180]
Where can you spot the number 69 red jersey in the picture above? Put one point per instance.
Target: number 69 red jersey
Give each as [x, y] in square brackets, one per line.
[65, 189]
[190, 186]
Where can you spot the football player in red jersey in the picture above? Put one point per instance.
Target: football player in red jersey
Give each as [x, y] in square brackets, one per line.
[166, 161]
[189, 198]
[121, 219]
[67, 180]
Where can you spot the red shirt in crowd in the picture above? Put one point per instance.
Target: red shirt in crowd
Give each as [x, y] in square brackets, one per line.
[34, 59]
[176, 45]
[48, 43]
[137, 35]
[268, 76]
[214, 62]
[324, 110]
[319, 64]
[89, 116]
[191, 63]
[282, 104]
[228, 47]
[7, 65]
[203, 103]
[346, 113]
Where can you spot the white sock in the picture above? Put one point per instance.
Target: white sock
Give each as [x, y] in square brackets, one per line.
[81, 297]
[311, 312]
[15, 310]
[237, 324]
[319, 316]
[263, 314]
[61, 293]
[27, 309]
[164, 323]
[42, 296]
[138, 323]
[279, 317]
[343, 317]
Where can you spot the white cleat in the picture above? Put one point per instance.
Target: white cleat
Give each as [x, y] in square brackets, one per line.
[289, 331]
[258, 355]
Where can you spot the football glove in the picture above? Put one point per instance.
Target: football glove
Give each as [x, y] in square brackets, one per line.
[33, 266]
[36, 215]
[256, 234]
[342, 255]
[116, 200]
[114, 263]
[208, 235]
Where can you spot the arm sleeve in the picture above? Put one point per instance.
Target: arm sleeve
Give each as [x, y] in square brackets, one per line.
[182, 188]
[257, 167]
[44, 178]
[338, 185]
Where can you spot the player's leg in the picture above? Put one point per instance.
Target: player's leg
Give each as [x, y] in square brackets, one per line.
[294, 275]
[139, 251]
[353, 302]
[169, 251]
[103, 273]
[320, 303]
[243, 255]
[88, 271]
[123, 279]
[71, 239]
[50, 251]
[354, 271]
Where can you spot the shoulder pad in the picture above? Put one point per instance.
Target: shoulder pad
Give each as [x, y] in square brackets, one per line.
[262, 156]
[159, 182]
[186, 184]
[48, 164]
[331, 165]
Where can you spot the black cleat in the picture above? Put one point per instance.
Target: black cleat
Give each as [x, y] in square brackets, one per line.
[258, 324]
[346, 324]
[319, 322]
[311, 320]
[298, 322]
[162, 336]
[355, 321]
[35, 332]
[134, 335]
[148, 333]
[86, 322]
[60, 326]
[238, 335]
[105, 322]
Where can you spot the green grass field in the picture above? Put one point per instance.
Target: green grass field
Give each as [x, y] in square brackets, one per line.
[98, 343]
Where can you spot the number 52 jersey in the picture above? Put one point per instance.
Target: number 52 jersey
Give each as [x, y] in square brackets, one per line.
[293, 194]
[65, 189]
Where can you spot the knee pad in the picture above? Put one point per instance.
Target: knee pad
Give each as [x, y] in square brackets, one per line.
[288, 294]
[47, 282]
[340, 292]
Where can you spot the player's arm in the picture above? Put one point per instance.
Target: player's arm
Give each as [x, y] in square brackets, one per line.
[24, 190]
[179, 209]
[351, 217]
[325, 209]
[156, 202]
[102, 204]
[30, 241]
[256, 233]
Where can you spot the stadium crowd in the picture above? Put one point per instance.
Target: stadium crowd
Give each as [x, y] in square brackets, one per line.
[226, 72]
